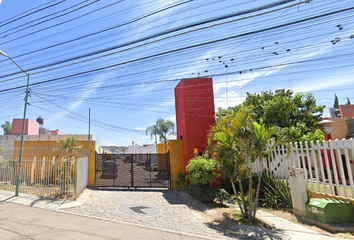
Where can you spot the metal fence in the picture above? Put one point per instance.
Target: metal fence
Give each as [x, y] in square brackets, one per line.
[45, 176]
[328, 165]
[150, 170]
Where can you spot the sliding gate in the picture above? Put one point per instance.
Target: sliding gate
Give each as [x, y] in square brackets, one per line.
[133, 170]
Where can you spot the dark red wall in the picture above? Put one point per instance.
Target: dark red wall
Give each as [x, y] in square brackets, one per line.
[194, 113]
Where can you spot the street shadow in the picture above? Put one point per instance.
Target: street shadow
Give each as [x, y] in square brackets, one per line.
[125, 189]
[230, 227]
[47, 200]
[177, 197]
[5, 200]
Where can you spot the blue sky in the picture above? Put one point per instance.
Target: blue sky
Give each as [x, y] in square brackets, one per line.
[68, 46]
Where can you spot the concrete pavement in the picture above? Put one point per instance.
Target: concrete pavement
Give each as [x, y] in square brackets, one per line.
[24, 222]
[169, 211]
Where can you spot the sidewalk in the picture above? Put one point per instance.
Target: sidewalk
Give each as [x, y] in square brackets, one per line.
[285, 230]
[41, 202]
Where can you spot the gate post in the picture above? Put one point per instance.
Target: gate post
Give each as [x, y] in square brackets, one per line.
[132, 170]
[168, 168]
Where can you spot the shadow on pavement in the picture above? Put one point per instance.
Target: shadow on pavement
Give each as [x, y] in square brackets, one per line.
[231, 228]
[2, 201]
[117, 189]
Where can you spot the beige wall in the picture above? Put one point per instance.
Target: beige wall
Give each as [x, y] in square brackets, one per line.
[339, 128]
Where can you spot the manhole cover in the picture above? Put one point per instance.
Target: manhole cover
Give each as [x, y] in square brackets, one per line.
[138, 210]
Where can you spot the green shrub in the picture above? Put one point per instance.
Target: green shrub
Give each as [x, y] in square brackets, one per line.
[201, 192]
[182, 181]
[221, 195]
[201, 170]
[206, 194]
[276, 193]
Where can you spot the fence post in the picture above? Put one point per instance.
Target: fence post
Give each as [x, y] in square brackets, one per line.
[298, 190]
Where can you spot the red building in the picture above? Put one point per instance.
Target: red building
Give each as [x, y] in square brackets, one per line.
[195, 113]
[31, 127]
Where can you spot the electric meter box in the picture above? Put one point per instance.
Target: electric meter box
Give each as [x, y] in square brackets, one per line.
[327, 210]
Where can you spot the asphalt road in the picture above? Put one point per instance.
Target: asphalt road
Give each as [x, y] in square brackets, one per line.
[22, 222]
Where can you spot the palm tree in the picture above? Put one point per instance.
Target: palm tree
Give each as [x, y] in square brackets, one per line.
[7, 128]
[164, 127]
[230, 140]
[153, 132]
[67, 148]
[237, 141]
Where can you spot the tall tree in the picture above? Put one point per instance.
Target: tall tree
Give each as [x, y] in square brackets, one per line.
[336, 103]
[161, 129]
[7, 128]
[152, 130]
[348, 101]
[297, 115]
[164, 127]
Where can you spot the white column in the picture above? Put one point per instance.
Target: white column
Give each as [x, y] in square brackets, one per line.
[298, 184]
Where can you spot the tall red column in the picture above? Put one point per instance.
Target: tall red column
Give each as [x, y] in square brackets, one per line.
[195, 113]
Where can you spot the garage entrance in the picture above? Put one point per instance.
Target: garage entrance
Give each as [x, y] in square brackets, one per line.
[133, 170]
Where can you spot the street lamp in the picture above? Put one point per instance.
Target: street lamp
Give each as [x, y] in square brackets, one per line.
[23, 123]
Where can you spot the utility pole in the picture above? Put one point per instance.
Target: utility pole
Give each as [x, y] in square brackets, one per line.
[23, 122]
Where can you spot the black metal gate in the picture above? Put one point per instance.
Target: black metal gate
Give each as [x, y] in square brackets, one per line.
[133, 170]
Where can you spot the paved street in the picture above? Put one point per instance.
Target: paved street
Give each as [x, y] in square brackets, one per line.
[18, 222]
[160, 209]
[155, 213]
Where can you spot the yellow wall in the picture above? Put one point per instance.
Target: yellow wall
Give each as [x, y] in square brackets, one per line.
[176, 160]
[35, 153]
[161, 148]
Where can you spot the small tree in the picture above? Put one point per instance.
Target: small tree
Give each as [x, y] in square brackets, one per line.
[7, 127]
[67, 150]
[238, 141]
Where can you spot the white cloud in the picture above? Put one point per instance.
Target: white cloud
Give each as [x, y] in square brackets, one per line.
[140, 128]
[173, 118]
[84, 94]
[326, 83]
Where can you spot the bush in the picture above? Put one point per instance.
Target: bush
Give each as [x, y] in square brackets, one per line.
[276, 193]
[206, 194]
[201, 170]
[201, 193]
[182, 181]
[221, 195]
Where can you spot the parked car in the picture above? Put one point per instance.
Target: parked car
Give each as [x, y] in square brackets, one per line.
[110, 168]
[153, 166]
[127, 159]
[144, 163]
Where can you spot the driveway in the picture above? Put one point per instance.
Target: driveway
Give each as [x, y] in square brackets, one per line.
[158, 209]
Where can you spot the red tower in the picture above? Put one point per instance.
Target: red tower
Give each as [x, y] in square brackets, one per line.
[195, 113]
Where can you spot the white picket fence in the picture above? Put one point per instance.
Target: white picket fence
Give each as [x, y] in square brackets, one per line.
[45, 176]
[328, 165]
